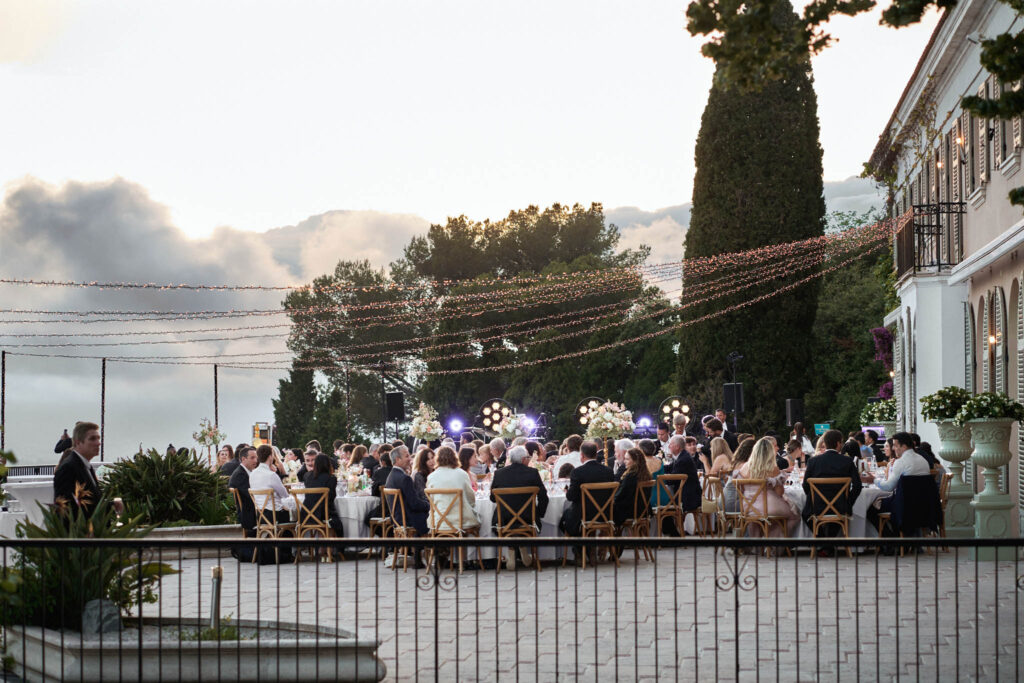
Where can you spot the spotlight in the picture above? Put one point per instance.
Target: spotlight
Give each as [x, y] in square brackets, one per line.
[454, 426]
[584, 407]
[644, 422]
[492, 411]
[672, 406]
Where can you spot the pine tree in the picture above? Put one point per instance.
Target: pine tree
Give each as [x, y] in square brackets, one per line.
[758, 182]
[294, 406]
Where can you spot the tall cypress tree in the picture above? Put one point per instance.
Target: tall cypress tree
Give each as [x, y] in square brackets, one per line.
[294, 406]
[758, 182]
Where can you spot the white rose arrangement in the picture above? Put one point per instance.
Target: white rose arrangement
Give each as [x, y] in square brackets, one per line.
[610, 420]
[513, 426]
[425, 426]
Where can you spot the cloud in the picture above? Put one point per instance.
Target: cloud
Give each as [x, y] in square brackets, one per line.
[29, 27]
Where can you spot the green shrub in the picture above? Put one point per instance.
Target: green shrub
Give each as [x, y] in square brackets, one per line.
[57, 581]
[166, 488]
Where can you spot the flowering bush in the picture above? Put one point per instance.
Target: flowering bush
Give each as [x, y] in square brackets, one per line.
[208, 435]
[879, 411]
[989, 405]
[512, 426]
[944, 404]
[609, 421]
[425, 426]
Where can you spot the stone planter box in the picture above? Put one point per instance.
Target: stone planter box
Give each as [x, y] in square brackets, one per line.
[281, 651]
[219, 532]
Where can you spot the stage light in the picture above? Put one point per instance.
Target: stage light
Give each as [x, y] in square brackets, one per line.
[454, 425]
[492, 411]
[644, 422]
[666, 409]
[583, 410]
[495, 406]
[672, 406]
[675, 403]
[584, 407]
[487, 410]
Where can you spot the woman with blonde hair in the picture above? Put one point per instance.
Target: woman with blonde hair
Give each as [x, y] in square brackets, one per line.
[762, 465]
[721, 458]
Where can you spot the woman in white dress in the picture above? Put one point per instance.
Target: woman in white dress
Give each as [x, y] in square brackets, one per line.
[449, 475]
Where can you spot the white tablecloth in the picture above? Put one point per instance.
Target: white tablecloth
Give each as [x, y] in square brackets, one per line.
[28, 494]
[859, 527]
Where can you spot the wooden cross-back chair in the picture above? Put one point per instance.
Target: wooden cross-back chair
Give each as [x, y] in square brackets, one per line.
[750, 515]
[238, 506]
[639, 524]
[595, 516]
[516, 520]
[267, 525]
[312, 521]
[394, 509]
[671, 485]
[831, 513]
[447, 522]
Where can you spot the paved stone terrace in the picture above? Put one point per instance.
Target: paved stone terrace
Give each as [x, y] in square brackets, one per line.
[852, 619]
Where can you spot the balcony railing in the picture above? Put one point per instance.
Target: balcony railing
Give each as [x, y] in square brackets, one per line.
[932, 241]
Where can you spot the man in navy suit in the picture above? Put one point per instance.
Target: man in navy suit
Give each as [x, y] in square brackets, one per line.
[589, 472]
[831, 464]
[416, 504]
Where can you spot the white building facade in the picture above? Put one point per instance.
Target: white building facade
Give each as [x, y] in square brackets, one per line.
[960, 260]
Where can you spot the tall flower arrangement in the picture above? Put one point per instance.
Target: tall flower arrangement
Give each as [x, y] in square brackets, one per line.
[610, 420]
[209, 437]
[425, 426]
[513, 426]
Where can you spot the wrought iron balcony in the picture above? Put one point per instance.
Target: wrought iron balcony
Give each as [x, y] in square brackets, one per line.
[932, 241]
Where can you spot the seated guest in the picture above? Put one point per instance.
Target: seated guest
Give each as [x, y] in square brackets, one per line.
[794, 453]
[655, 466]
[497, 447]
[685, 464]
[315, 445]
[465, 438]
[635, 474]
[739, 459]
[424, 465]
[572, 456]
[850, 449]
[713, 428]
[536, 452]
[357, 456]
[700, 454]
[871, 440]
[565, 471]
[780, 457]
[228, 468]
[619, 463]
[908, 462]
[240, 482]
[449, 475]
[467, 459]
[551, 451]
[75, 486]
[292, 461]
[484, 462]
[224, 456]
[262, 477]
[519, 473]
[589, 472]
[416, 505]
[721, 458]
[370, 461]
[380, 476]
[832, 464]
[321, 477]
[308, 460]
[762, 466]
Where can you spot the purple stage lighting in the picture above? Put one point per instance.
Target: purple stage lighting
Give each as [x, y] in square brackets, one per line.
[454, 426]
[529, 423]
[644, 422]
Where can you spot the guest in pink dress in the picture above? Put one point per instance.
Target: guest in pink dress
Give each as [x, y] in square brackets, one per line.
[762, 466]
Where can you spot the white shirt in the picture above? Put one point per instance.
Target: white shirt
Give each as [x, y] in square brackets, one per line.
[664, 446]
[263, 478]
[911, 463]
[452, 478]
[572, 458]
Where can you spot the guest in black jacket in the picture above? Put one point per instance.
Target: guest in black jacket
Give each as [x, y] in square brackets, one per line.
[416, 504]
[625, 496]
[321, 477]
[378, 479]
[75, 486]
[831, 463]
[684, 464]
[517, 473]
[589, 472]
[240, 482]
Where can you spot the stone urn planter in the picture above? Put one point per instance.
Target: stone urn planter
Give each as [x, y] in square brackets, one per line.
[955, 448]
[889, 427]
[266, 650]
[992, 509]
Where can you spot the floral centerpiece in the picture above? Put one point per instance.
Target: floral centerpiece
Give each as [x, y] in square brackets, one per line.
[989, 405]
[209, 437]
[610, 420]
[544, 471]
[514, 426]
[885, 410]
[425, 426]
[944, 404]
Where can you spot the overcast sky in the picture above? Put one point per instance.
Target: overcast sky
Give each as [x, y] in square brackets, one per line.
[183, 141]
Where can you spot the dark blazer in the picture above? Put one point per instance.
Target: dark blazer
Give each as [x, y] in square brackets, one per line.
[830, 464]
[685, 464]
[68, 474]
[416, 504]
[379, 478]
[229, 468]
[513, 476]
[622, 508]
[247, 515]
[731, 439]
[590, 472]
[62, 445]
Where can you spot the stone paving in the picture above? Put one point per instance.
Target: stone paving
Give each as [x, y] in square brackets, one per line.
[932, 617]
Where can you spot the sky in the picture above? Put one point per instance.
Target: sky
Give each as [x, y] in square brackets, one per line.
[192, 141]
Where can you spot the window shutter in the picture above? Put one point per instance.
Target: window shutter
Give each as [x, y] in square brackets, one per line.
[999, 304]
[969, 144]
[969, 373]
[997, 140]
[985, 322]
[956, 154]
[1020, 392]
[897, 366]
[982, 142]
[936, 171]
[1015, 123]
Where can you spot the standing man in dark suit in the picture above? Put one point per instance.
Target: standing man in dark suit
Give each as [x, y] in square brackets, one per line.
[831, 463]
[713, 428]
[416, 504]
[589, 472]
[74, 483]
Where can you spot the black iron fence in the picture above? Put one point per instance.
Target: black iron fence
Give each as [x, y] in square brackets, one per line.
[701, 609]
